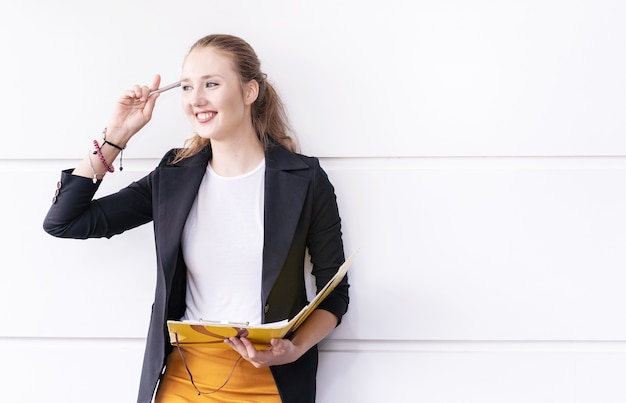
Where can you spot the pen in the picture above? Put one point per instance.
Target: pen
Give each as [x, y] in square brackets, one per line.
[167, 87]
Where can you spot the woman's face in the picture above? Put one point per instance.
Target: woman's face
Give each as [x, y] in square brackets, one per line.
[212, 95]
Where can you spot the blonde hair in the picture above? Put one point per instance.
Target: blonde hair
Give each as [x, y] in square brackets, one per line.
[269, 116]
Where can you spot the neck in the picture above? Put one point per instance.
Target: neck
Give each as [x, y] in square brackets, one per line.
[236, 157]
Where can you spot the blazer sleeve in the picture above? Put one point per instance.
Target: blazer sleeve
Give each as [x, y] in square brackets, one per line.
[325, 243]
[75, 214]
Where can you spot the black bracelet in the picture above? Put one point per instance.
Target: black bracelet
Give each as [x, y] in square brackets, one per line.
[104, 138]
[113, 145]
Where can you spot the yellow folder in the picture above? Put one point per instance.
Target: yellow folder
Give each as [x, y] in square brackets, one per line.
[212, 334]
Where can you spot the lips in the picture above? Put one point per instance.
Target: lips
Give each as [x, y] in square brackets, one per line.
[205, 116]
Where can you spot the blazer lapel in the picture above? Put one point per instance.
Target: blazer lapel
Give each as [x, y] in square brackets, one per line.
[177, 189]
[285, 194]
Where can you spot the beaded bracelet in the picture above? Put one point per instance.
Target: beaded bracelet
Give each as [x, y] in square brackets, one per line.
[102, 159]
[95, 174]
[104, 137]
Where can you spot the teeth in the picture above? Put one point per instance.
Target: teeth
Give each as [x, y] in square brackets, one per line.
[205, 115]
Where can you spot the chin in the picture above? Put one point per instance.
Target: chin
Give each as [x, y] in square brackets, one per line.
[205, 135]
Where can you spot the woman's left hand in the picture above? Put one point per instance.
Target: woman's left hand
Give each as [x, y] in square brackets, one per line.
[280, 351]
[284, 351]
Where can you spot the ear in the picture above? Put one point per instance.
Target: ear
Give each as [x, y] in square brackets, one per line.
[251, 92]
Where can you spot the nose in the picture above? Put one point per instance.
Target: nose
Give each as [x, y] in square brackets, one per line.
[197, 97]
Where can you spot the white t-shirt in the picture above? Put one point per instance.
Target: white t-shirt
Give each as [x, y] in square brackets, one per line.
[223, 248]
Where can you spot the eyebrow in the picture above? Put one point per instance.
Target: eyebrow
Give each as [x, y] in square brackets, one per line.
[204, 77]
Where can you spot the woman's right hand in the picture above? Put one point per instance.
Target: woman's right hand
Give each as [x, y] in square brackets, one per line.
[132, 111]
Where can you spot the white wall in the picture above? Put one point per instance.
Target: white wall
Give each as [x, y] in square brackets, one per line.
[477, 149]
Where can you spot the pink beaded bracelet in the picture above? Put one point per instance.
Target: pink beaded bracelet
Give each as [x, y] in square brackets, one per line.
[121, 149]
[102, 159]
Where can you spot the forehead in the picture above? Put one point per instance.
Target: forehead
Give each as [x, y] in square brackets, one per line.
[208, 60]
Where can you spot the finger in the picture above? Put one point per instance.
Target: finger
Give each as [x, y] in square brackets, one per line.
[142, 92]
[151, 99]
[247, 344]
[155, 83]
[136, 92]
[279, 344]
[128, 95]
[149, 105]
[145, 91]
[233, 341]
[230, 343]
[238, 346]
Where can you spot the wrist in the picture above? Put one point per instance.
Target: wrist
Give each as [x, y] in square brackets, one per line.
[298, 348]
[117, 136]
[108, 142]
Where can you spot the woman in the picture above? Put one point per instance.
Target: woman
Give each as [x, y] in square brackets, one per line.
[234, 214]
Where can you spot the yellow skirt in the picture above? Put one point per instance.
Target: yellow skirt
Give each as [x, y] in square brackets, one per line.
[210, 368]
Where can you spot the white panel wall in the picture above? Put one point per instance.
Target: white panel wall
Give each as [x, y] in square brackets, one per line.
[477, 150]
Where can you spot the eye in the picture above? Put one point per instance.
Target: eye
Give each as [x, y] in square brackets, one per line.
[211, 84]
[186, 87]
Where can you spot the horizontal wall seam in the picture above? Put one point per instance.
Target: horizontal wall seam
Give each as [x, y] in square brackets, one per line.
[369, 346]
[143, 166]
[469, 346]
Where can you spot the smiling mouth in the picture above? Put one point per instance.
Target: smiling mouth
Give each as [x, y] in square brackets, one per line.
[205, 116]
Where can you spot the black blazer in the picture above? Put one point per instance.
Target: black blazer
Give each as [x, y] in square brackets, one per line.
[300, 213]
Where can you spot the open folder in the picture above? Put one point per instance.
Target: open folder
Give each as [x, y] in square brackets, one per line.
[212, 334]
